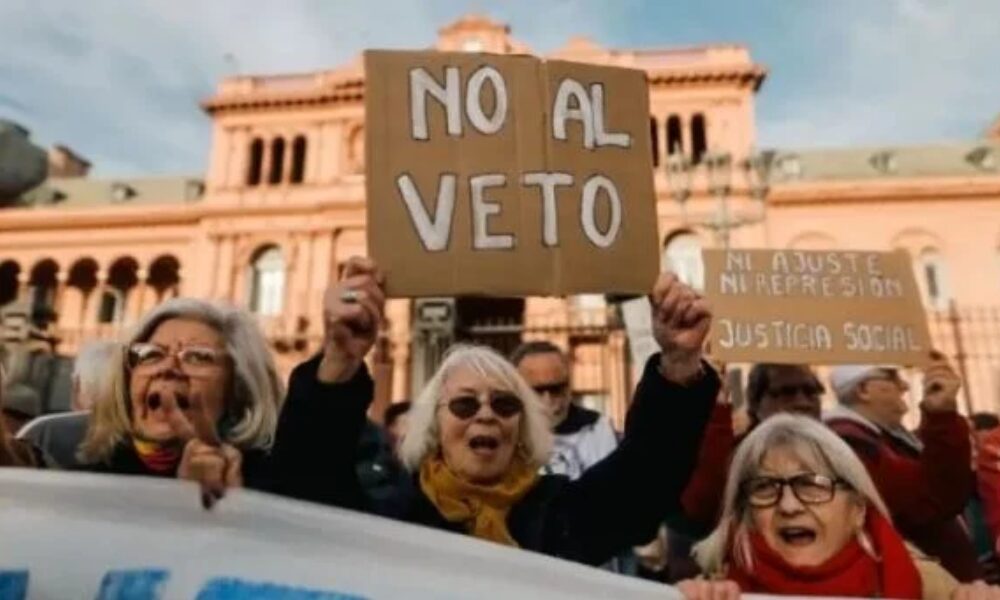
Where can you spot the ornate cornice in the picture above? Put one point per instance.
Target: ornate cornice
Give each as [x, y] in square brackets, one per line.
[869, 191]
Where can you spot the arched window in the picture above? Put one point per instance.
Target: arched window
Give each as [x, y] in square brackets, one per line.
[9, 270]
[43, 286]
[298, 159]
[654, 140]
[267, 291]
[699, 141]
[933, 279]
[675, 141]
[682, 255]
[256, 162]
[277, 160]
[112, 308]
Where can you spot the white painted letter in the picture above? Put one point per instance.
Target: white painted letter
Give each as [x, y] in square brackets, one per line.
[421, 84]
[550, 219]
[603, 138]
[473, 106]
[481, 211]
[434, 234]
[588, 214]
[583, 112]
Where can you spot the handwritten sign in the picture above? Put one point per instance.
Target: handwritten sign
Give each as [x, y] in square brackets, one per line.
[507, 175]
[790, 306]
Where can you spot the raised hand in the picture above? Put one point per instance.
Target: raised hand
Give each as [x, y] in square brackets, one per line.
[977, 590]
[353, 308]
[941, 384]
[216, 466]
[681, 321]
[703, 589]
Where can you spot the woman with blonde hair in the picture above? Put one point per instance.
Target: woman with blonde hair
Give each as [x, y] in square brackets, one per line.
[478, 433]
[801, 516]
[192, 393]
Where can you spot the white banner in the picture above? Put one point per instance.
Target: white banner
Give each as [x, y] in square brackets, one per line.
[80, 536]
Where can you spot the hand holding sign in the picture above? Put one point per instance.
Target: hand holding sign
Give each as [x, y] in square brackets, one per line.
[941, 384]
[206, 459]
[352, 313]
[681, 320]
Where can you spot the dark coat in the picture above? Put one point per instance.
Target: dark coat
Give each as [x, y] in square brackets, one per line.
[926, 490]
[619, 502]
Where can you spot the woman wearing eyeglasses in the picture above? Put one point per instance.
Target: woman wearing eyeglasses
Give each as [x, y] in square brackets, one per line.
[802, 517]
[193, 394]
[478, 434]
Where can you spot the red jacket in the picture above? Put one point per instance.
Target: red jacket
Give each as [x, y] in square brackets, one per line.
[702, 498]
[988, 481]
[925, 489]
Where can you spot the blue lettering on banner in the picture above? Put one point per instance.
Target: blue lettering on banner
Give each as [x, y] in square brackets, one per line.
[144, 584]
[237, 589]
[13, 585]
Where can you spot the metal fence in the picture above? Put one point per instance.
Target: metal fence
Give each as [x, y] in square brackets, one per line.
[604, 376]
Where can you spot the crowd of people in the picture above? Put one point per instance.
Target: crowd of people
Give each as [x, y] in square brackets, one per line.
[844, 502]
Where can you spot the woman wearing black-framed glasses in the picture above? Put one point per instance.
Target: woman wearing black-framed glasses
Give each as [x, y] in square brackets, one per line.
[802, 517]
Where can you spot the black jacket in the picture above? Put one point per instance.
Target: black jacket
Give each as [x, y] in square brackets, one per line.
[316, 446]
[619, 502]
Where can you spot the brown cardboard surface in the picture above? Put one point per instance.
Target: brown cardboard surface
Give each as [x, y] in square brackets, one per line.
[805, 307]
[525, 143]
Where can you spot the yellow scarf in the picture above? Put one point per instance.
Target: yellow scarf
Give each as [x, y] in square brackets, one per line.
[482, 509]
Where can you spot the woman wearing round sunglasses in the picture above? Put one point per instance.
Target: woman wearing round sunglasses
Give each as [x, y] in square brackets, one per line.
[195, 395]
[802, 517]
[478, 433]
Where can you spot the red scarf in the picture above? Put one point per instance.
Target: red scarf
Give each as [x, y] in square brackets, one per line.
[160, 458]
[852, 572]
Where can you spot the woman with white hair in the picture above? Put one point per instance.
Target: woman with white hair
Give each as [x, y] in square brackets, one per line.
[191, 393]
[478, 434]
[802, 517]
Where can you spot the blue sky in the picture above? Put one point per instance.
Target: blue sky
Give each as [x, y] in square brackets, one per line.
[120, 80]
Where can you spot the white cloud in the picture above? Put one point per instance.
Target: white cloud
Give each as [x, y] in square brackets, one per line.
[120, 81]
[904, 71]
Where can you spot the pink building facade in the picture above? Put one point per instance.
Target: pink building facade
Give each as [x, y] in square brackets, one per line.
[281, 205]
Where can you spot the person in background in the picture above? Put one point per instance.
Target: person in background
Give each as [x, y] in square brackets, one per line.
[583, 437]
[925, 479]
[396, 421]
[478, 434]
[379, 471]
[22, 406]
[58, 436]
[13, 452]
[197, 397]
[987, 436]
[802, 517]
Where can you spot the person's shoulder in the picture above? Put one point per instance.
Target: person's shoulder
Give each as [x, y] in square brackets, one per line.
[39, 426]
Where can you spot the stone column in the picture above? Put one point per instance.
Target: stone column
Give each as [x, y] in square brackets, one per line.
[139, 295]
[62, 278]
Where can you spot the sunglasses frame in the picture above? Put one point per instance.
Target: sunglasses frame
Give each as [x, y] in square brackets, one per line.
[494, 398]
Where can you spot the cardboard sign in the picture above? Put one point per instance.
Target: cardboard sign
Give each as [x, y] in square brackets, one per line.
[799, 307]
[506, 175]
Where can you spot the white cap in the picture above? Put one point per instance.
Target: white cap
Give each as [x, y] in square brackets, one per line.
[845, 378]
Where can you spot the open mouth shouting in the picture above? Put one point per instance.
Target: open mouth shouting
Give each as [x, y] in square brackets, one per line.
[797, 536]
[484, 445]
